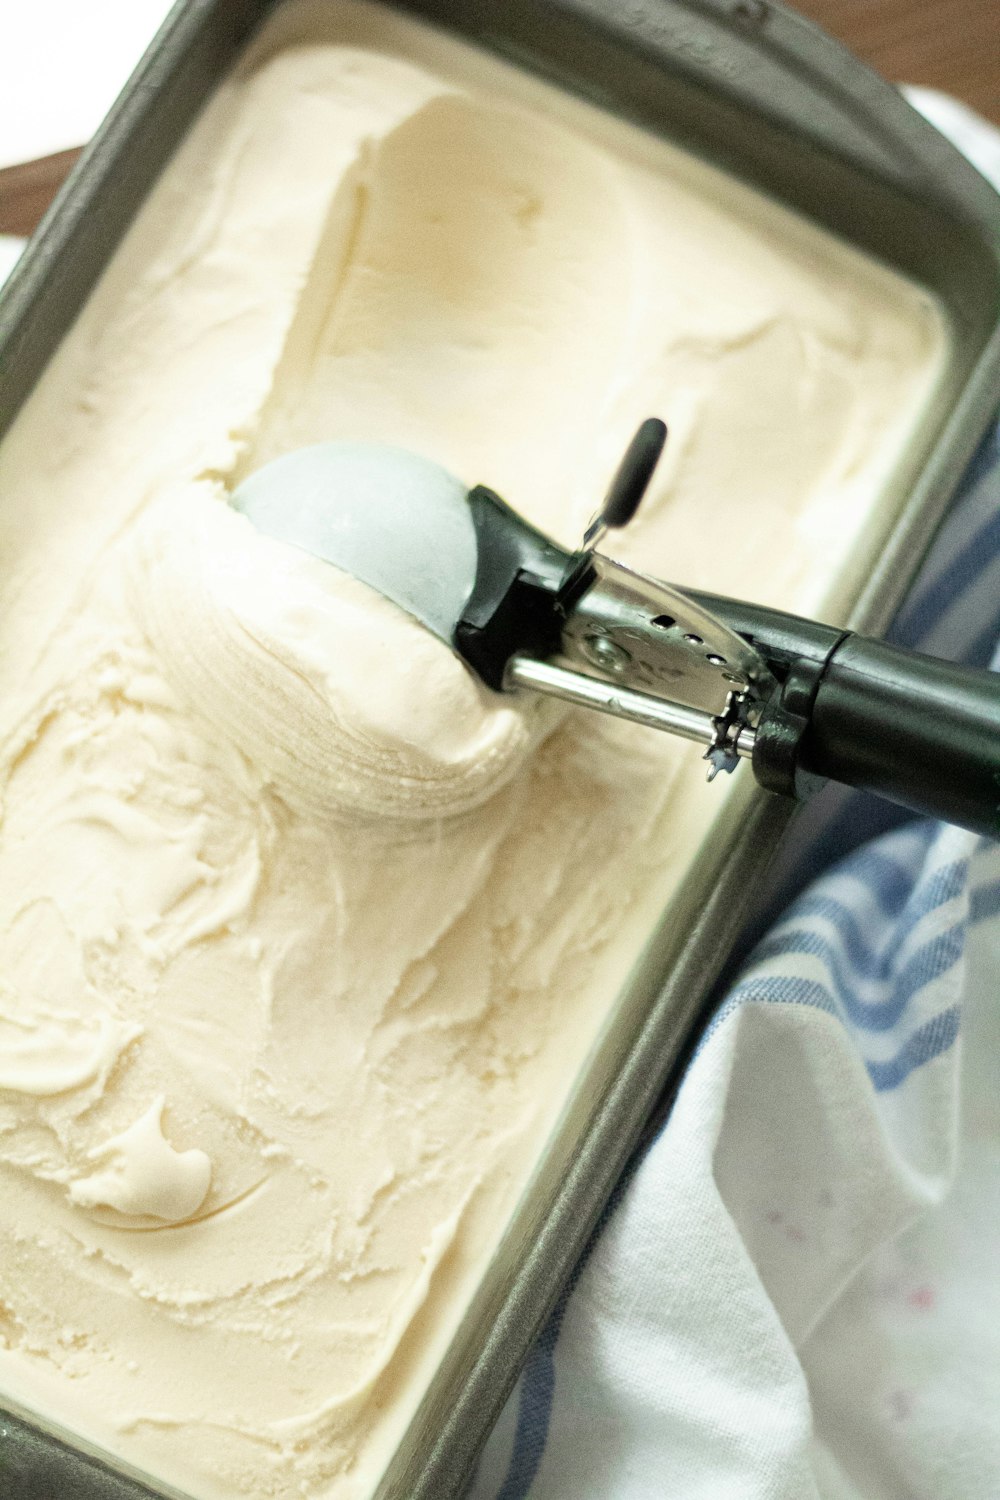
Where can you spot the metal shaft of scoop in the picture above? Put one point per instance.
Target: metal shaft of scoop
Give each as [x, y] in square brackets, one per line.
[621, 703]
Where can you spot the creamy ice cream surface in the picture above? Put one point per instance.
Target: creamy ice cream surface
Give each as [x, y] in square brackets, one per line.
[305, 934]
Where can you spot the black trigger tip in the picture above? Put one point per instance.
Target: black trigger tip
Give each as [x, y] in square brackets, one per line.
[634, 473]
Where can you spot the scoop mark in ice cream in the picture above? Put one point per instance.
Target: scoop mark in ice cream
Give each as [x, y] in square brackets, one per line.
[350, 708]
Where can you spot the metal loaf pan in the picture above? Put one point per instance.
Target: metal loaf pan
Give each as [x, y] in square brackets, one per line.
[765, 95]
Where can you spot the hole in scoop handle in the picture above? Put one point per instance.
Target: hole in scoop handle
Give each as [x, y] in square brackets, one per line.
[633, 475]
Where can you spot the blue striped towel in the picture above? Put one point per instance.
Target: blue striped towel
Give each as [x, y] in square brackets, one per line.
[797, 1292]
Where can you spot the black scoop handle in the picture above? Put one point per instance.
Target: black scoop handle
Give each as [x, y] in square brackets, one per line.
[913, 729]
[910, 728]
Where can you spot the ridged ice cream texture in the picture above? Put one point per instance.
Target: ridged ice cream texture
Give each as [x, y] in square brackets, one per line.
[305, 934]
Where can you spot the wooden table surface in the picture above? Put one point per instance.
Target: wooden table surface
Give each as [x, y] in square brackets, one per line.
[952, 45]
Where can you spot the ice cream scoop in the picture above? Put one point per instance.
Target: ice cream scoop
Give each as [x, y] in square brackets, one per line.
[497, 590]
[804, 701]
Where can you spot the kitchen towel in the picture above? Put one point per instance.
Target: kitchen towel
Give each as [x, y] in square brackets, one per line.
[796, 1292]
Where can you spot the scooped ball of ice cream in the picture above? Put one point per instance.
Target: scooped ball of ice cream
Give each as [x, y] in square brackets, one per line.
[348, 706]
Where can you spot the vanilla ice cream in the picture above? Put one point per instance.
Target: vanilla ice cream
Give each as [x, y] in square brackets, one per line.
[305, 934]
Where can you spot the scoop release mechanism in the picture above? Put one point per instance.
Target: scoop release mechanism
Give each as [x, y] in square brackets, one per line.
[802, 701]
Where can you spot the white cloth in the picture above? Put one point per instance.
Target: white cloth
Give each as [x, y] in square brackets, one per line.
[62, 64]
[797, 1293]
[10, 254]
